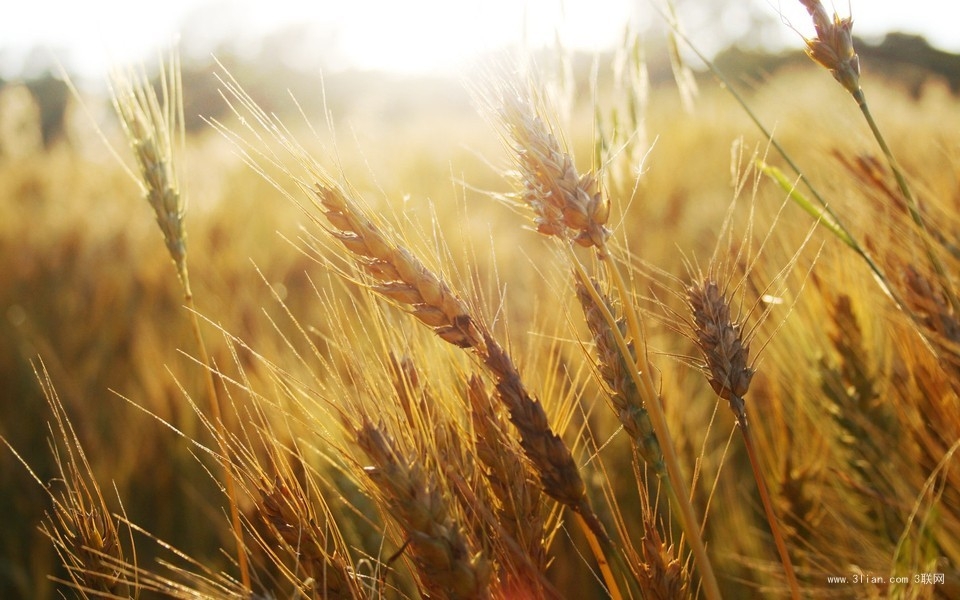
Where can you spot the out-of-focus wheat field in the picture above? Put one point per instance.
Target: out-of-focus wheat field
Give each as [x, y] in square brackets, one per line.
[854, 402]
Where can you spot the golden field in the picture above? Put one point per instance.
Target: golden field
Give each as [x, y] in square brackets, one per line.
[385, 331]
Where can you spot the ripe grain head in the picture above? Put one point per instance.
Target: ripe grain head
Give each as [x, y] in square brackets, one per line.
[154, 130]
[562, 200]
[832, 48]
[721, 341]
[446, 564]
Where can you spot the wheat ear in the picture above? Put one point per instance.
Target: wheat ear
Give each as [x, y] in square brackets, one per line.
[726, 354]
[508, 515]
[520, 508]
[81, 527]
[614, 370]
[446, 566]
[153, 130]
[293, 526]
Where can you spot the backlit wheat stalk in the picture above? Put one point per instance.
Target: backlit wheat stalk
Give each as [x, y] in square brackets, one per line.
[571, 208]
[294, 525]
[832, 48]
[614, 370]
[83, 531]
[726, 354]
[154, 131]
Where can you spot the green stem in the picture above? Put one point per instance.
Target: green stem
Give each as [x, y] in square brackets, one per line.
[829, 219]
[912, 206]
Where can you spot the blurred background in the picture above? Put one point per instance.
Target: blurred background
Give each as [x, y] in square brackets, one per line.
[287, 45]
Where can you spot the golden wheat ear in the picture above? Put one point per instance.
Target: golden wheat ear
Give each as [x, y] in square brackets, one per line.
[521, 513]
[446, 565]
[725, 350]
[833, 49]
[155, 130]
[614, 369]
[294, 529]
[565, 204]
[726, 353]
[401, 277]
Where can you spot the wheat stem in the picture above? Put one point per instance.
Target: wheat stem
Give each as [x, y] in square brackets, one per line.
[221, 433]
[772, 520]
[595, 545]
[912, 206]
[643, 380]
[726, 353]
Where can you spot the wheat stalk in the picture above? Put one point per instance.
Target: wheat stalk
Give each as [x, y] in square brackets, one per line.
[832, 48]
[561, 209]
[153, 129]
[614, 370]
[726, 354]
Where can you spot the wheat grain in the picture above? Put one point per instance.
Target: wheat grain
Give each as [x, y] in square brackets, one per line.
[662, 575]
[726, 352]
[153, 130]
[400, 276]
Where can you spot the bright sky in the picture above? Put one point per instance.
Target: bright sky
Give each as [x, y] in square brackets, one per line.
[408, 35]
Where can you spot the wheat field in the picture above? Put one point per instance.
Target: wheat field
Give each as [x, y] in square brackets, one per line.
[540, 336]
